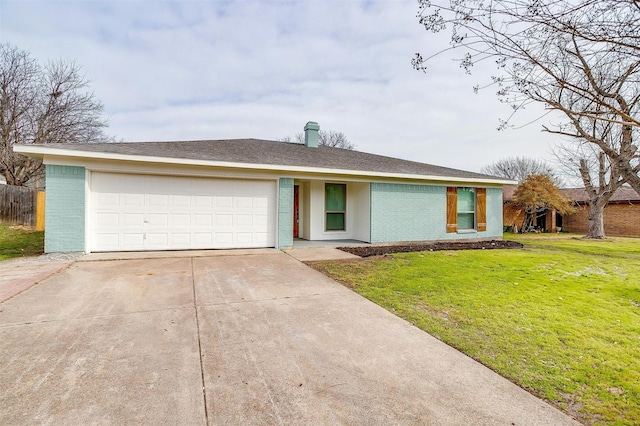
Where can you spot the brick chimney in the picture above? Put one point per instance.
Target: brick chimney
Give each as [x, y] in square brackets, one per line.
[311, 134]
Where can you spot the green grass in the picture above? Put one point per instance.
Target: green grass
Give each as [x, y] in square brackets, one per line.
[560, 317]
[18, 241]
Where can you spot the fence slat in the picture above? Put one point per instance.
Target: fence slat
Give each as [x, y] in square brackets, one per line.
[40, 199]
[18, 205]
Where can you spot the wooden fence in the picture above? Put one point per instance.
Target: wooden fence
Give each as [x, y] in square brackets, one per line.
[22, 206]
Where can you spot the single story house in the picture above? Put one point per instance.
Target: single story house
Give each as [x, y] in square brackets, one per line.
[248, 193]
[621, 214]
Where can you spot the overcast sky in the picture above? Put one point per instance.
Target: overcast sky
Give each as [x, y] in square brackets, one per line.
[261, 69]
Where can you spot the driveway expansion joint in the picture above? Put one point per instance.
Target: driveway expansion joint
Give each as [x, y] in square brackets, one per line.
[200, 356]
[297, 297]
[86, 317]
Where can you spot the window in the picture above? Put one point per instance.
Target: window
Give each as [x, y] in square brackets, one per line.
[335, 199]
[466, 209]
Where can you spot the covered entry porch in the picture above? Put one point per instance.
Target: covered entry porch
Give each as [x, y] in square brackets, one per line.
[331, 213]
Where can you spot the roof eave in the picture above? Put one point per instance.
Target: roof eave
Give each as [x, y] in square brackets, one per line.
[41, 152]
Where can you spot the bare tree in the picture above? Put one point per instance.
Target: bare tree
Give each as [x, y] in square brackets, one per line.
[581, 58]
[518, 168]
[330, 138]
[41, 105]
[600, 177]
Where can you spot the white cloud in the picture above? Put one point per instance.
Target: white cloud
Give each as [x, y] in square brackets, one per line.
[234, 69]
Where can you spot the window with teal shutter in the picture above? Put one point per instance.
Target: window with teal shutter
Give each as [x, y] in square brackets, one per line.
[335, 198]
[466, 208]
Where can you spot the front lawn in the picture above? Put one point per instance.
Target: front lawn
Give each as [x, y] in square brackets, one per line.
[18, 241]
[560, 317]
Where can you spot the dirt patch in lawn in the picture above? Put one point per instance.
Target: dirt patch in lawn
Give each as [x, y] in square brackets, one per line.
[367, 251]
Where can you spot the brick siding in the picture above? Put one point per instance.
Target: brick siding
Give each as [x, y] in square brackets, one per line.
[65, 209]
[285, 213]
[621, 219]
[513, 215]
[406, 212]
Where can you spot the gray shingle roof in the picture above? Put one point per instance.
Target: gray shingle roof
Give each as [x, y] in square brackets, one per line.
[255, 151]
[625, 194]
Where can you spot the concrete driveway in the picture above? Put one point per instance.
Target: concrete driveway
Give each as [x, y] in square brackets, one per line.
[234, 338]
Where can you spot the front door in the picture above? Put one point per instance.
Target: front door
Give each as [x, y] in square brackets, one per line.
[296, 211]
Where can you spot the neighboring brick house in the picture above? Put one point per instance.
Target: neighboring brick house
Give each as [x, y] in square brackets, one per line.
[621, 215]
[513, 216]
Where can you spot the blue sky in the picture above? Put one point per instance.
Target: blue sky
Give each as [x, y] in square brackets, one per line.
[233, 69]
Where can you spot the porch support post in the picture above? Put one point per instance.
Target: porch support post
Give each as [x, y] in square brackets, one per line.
[551, 220]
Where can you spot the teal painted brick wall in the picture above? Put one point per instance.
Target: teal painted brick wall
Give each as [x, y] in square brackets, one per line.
[494, 213]
[285, 213]
[64, 211]
[404, 212]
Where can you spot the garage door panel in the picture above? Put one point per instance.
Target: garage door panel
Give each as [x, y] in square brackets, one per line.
[224, 220]
[132, 220]
[107, 219]
[134, 241]
[203, 220]
[261, 238]
[180, 220]
[244, 220]
[158, 200]
[243, 202]
[146, 212]
[224, 202]
[108, 242]
[156, 240]
[200, 201]
[158, 219]
[180, 201]
[203, 239]
[261, 221]
[224, 239]
[179, 240]
[108, 200]
[261, 203]
[133, 200]
[244, 237]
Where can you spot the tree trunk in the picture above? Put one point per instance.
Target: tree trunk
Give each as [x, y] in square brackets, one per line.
[527, 222]
[596, 221]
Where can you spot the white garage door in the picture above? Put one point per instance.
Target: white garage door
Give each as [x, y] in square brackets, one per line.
[148, 212]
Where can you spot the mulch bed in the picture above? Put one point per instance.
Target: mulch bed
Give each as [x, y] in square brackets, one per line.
[368, 251]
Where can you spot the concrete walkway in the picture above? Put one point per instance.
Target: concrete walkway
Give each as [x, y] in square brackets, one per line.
[313, 254]
[233, 339]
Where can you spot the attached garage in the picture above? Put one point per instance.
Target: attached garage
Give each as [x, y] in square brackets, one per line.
[130, 212]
